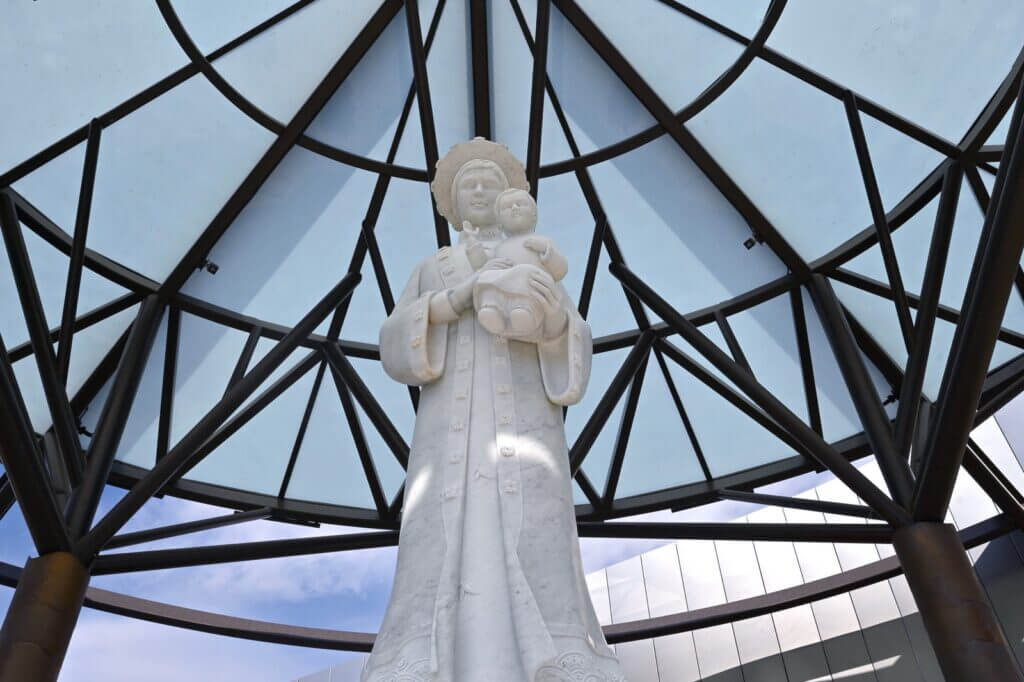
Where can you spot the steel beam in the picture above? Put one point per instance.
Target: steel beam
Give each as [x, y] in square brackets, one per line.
[259, 174]
[168, 383]
[796, 301]
[811, 441]
[682, 136]
[245, 357]
[995, 484]
[97, 314]
[992, 276]
[158, 559]
[924, 326]
[6, 496]
[540, 77]
[683, 416]
[183, 455]
[39, 334]
[731, 341]
[74, 282]
[338, 363]
[798, 503]
[419, 74]
[942, 312]
[24, 468]
[869, 533]
[862, 391]
[867, 171]
[481, 66]
[362, 448]
[164, 532]
[625, 428]
[588, 434]
[300, 435]
[103, 447]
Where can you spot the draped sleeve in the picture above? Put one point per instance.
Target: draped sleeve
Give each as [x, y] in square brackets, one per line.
[565, 360]
[412, 349]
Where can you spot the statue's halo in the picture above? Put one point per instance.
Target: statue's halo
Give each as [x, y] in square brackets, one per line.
[477, 148]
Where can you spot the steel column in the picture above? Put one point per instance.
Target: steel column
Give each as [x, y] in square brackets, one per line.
[992, 276]
[41, 618]
[961, 624]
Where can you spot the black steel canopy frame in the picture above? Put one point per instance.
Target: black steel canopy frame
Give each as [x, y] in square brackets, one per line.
[73, 545]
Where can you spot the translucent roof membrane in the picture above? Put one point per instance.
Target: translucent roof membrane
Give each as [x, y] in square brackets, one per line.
[177, 157]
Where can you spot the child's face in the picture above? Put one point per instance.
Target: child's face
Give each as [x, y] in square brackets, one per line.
[517, 213]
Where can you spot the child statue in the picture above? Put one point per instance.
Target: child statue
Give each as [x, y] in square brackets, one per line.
[501, 297]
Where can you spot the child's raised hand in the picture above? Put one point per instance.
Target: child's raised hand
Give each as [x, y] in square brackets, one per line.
[537, 244]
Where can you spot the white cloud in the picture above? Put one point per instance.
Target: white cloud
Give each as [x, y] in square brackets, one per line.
[108, 648]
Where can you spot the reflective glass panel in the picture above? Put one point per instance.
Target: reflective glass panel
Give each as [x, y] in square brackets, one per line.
[603, 368]
[689, 55]
[292, 243]
[397, 405]
[278, 69]
[139, 440]
[730, 440]
[165, 171]
[795, 159]
[743, 17]
[256, 456]
[50, 269]
[936, 65]
[682, 237]
[328, 467]
[659, 453]
[211, 24]
[207, 355]
[600, 108]
[58, 50]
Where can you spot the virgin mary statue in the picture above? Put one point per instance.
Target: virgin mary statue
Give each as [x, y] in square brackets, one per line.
[489, 585]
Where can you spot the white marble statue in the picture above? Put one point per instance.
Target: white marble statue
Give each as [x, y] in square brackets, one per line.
[489, 585]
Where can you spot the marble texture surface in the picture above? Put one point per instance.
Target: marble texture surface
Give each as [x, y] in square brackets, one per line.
[489, 583]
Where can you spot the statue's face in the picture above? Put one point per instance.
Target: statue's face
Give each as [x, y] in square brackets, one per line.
[475, 195]
[517, 212]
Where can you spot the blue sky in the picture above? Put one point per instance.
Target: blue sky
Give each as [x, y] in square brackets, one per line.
[344, 591]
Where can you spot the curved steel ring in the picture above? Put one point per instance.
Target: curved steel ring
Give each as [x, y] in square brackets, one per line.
[705, 98]
[341, 640]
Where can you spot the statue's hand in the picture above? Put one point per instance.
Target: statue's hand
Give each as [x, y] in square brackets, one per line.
[461, 295]
[538, 245]
[555, 316]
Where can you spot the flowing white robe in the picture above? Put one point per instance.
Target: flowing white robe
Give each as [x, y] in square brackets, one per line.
[489, 585]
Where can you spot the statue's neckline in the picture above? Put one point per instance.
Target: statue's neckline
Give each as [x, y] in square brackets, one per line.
[488, 234]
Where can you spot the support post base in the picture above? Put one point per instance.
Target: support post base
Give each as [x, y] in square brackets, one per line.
[41, 618]
[968, 642]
